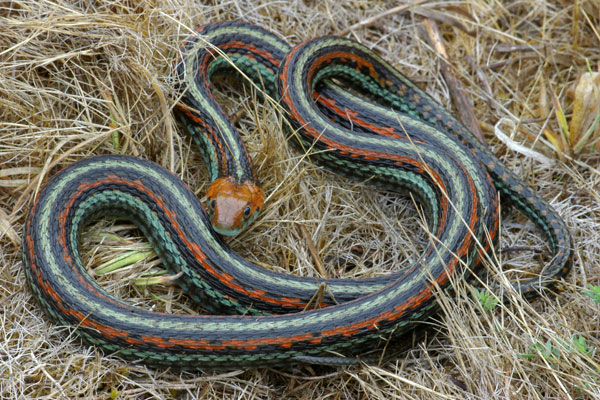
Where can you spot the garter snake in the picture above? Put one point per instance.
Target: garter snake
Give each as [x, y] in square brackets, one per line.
[392, 134]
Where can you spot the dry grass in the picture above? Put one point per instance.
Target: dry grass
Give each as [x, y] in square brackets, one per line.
[76, 75]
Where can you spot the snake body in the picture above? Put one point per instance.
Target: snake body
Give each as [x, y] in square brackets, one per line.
[393, 135]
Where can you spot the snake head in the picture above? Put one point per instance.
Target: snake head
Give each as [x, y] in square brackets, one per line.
[232, 206]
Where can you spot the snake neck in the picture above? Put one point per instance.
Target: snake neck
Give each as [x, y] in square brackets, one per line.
[234, 200]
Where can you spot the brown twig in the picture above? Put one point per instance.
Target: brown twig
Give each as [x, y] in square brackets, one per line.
[370, 21]
[463, 105]
[446, 18]
[482, 79]
[511, 48]
[313, 252]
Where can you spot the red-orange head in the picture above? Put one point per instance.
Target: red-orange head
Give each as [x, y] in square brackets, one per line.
[232, 206]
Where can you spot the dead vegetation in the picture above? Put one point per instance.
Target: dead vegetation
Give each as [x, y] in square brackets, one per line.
[79, 78]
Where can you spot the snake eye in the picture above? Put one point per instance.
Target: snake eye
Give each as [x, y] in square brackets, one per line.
[213, 204]
[247, 211]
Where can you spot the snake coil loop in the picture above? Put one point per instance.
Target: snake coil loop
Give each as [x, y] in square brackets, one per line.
[393, 134]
